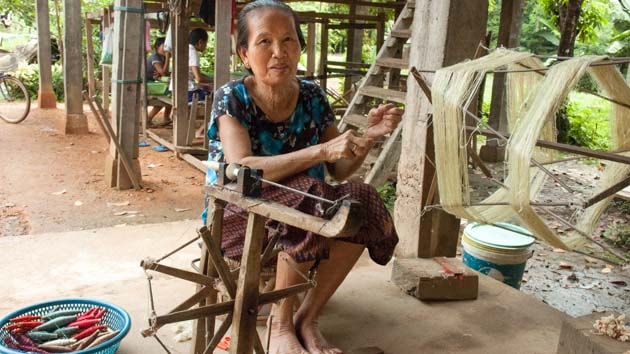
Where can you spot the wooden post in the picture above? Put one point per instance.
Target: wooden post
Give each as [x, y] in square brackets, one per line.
[204, 329]
[89, 56]
[179, 31]
[75, 122]
[311, 49]
[246, 302]
[60, 43]
[45, 94]
[441, 42]
[355, 44]
[223, 25]
[323, 52]
[509, 37]
[107, 72]
[126, 100]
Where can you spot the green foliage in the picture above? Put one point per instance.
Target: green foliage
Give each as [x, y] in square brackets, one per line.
[388, 195]
[593, 15]
[589, 121]
[206, 59]
[29, 75]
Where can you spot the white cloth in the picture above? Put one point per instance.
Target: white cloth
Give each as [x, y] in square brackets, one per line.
[168, 42]
[193, 60]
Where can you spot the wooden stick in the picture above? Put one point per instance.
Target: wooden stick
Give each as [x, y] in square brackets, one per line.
[125, 160]
[219, 263]
[604, 155]
[96, 115]
[219, 334]
[607, 192]
[148, 264]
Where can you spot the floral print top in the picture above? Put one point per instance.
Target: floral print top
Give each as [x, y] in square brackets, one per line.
[305, 126]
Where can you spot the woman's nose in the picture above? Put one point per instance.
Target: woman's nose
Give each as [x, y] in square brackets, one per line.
[279, 50]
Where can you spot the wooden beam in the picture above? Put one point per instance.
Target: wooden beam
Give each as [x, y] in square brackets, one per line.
[385, 5]
[46, 94]
[607, 192]
[202, 327]
[509, 33]
[179, 30]
[441, 42]
[75, 121]
[107, 73]
[178, 273]
[354, 41]
[345, 222]
[89, 57]
[222, 43]
[323, 58]
[126, 93]
[309, 15]
[246, 302]
[311, 49]
[598, 154]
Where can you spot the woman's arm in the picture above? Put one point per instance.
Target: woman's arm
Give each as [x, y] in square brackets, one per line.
[343, 153]
[381, 121]
[237, 148]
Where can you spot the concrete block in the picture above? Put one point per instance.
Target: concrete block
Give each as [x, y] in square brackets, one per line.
[75, 124]
[46, 99]
[437, 278]
[578, 336]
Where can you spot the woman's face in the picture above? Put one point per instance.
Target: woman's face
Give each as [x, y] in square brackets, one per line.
[273, 49]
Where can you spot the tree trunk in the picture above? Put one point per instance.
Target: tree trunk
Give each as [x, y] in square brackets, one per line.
[568, 17]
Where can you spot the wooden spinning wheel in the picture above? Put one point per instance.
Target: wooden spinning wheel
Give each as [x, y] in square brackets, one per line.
[244, 296]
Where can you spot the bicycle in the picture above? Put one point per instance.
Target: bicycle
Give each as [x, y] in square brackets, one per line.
[15, 102]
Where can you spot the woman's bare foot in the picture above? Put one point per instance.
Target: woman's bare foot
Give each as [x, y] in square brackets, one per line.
[313, 340]
[284, 341]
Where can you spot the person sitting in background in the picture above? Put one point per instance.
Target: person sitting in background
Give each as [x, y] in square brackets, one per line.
[274, 121]
[198, 82]
[156, 68]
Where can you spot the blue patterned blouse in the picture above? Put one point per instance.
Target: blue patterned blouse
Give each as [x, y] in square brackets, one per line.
[305, 126]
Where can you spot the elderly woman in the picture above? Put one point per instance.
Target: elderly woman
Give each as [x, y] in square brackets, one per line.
[274, 121]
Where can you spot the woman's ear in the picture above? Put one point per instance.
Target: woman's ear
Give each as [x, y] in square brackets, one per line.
[242, 52]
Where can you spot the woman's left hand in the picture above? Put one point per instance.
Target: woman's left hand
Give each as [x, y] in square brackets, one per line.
[383, 120]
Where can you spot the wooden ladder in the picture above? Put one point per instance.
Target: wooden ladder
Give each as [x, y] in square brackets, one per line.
[381, 84]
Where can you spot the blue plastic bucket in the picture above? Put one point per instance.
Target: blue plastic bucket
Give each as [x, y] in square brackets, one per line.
[500, 252]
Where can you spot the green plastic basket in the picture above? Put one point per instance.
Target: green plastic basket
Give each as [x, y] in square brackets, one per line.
[157, 88]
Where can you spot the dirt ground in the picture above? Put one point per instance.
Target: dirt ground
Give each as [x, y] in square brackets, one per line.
[50, 182]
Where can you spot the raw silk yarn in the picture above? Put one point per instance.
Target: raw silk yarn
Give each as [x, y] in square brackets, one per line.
[532, 102]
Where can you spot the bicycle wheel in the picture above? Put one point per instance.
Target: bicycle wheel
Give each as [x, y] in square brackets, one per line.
[15, 102]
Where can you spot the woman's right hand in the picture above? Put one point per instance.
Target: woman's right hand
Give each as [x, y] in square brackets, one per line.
[346, 146]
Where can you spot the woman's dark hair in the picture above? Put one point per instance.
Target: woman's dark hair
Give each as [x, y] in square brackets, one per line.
[158, 42]
[242, 29]
[196, 35]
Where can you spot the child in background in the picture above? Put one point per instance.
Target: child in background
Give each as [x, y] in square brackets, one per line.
[156, 68]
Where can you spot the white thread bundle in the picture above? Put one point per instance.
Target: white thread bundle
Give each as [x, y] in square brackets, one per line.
[532, 102]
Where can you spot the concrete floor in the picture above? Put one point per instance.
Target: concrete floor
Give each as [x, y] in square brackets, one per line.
[368, 309]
